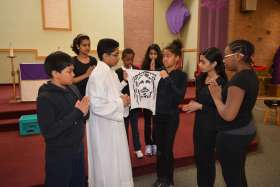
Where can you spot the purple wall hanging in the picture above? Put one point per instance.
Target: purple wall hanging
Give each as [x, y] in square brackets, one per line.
[276, 68]
[177, 14]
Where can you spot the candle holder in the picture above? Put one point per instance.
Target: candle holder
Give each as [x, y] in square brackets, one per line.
[15, 98]
[19, 85]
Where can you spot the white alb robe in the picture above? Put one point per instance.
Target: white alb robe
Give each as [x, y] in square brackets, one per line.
[108, 154]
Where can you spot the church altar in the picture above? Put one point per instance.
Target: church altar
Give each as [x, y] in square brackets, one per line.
[32, 76]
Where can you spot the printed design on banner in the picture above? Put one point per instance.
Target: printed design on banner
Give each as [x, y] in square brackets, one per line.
[144, 85]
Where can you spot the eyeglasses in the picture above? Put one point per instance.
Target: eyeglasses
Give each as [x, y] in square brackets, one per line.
[229, 55]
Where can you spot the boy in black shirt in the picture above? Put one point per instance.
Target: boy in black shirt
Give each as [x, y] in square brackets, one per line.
[61, 115]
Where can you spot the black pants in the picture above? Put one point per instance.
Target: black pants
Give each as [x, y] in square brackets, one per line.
[204, 151]
[166, 127]
[65, 171]
[149, 131]
[231, 150]
[133, 119]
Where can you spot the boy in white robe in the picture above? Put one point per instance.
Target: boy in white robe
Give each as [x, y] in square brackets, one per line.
[108, 154]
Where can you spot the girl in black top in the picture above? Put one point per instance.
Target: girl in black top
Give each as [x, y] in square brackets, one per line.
[83, 63]
[235, 103]
[152, 62]
[206, 118]
[170, 93]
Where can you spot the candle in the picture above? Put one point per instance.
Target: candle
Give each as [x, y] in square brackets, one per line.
[11, 52]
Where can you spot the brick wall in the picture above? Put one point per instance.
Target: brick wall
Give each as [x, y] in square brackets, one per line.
[262, 27]
[138, 26]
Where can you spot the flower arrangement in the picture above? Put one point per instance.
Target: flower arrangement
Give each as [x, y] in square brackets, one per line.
[261, 70]
[264, 75]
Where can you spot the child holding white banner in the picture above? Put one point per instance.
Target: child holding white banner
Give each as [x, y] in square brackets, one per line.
[170, 93]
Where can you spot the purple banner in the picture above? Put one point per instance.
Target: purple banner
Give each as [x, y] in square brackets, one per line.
[177, 15]
[214, 23]
[32, 72]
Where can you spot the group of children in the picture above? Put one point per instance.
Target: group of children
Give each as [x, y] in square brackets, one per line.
[223, 122]
[63, 110]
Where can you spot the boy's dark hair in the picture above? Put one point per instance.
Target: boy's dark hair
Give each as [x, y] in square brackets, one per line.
[147, 61]
[175, 47]
[244, 47]
[127, 51]
[57, 61]
[106, 45]
[77, 42]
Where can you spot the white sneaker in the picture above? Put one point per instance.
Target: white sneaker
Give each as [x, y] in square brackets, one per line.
[139, 154]
[154, 149]
[148, 150]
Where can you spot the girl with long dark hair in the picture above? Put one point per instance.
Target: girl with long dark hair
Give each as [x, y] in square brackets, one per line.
[152, 62]
[206, 118]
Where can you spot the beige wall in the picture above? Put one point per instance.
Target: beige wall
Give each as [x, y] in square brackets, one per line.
[162, 35]
[190, 38]
[189, 34]
[23, 27]
[21, 24]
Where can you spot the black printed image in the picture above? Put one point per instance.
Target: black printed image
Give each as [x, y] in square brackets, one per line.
[144, 85]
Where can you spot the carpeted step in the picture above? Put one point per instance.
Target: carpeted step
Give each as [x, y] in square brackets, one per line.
[16, 114]
[8, 124]
[11, 121]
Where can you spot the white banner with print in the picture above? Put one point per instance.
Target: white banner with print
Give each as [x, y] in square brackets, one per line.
[143, 88]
